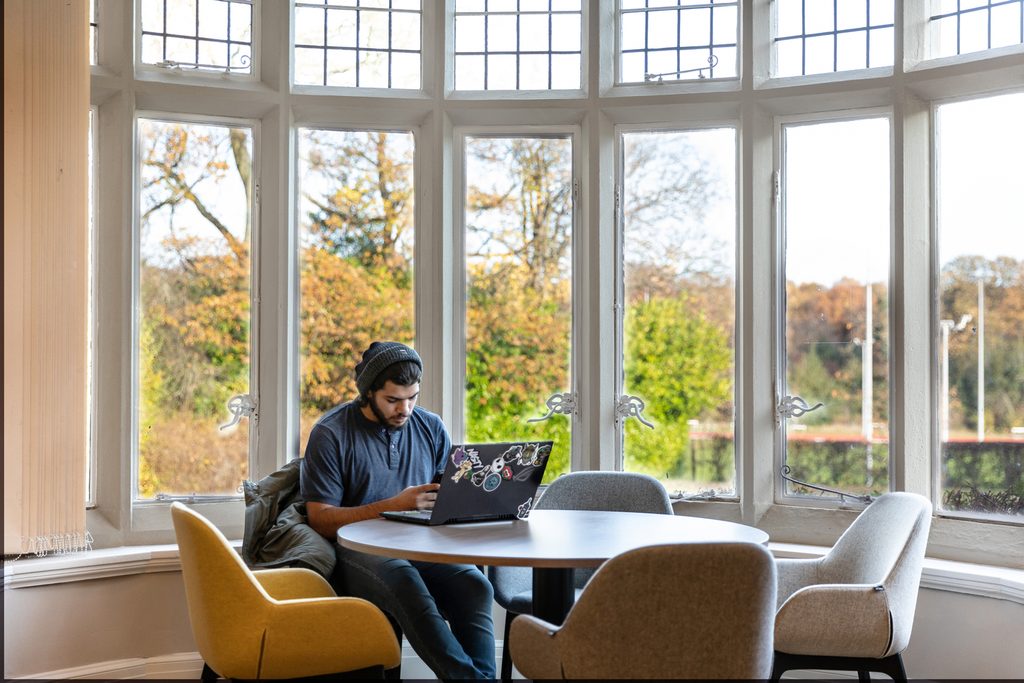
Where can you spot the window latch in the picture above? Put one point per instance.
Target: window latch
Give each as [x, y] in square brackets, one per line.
[631, 406]
[793, 406]
[241, 405]
[558, 404]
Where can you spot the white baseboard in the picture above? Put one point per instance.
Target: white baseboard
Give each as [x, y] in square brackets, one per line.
[180, 665]
[189, 666]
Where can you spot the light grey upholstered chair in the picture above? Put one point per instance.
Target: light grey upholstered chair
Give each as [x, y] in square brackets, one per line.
[853, 609]
[618, 491]
[686, 610]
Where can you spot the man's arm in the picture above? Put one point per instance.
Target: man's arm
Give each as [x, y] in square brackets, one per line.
[327, 519]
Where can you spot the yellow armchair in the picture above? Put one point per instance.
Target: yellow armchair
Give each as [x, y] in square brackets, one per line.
[276, 623]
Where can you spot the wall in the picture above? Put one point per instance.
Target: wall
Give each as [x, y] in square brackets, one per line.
[111, 627]
[965, 636]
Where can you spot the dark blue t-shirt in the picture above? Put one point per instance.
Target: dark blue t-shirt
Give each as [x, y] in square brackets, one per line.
[351, 460]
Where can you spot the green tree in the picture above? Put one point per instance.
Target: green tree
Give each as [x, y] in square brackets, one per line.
[680, 363]
[516, 352]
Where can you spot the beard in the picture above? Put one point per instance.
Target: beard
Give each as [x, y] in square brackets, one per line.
[390, 423]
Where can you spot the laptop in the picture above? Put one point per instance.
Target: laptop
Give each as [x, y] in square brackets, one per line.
[485, 482]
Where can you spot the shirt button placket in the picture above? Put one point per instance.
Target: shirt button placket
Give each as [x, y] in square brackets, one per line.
[393, 449]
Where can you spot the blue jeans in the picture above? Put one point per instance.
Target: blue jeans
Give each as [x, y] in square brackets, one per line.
[421, 596]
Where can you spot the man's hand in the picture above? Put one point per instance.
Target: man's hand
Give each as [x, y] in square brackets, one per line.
[326, 519]
[420, 497]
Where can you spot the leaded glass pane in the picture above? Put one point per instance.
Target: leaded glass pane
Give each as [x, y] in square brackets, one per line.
[518, 45]
[199, 35]
[824, 36]
[957, 28]
[676, 40]
[358, 43]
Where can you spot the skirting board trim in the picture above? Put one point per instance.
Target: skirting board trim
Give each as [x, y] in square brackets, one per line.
[189, 666]
[181, 665]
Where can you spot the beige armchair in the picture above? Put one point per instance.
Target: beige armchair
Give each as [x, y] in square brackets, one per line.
[853, 609]
[275, 623]
[688, 610]
[619, 491]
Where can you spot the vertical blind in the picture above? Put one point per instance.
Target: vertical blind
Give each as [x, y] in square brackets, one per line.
[46, 118]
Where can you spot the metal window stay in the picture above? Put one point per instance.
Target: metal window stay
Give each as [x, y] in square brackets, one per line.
[657, 78]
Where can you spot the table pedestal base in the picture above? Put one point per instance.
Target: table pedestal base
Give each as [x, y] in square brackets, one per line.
[553, 594]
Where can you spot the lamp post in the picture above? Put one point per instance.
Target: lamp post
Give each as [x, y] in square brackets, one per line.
[945, 326]
[981, 360]
[866, 383]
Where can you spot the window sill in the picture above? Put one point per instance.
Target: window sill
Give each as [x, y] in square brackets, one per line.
[980, 580]
[1000, 583]
[93, 564]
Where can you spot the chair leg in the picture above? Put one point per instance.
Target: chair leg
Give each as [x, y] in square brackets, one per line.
[506, 652]
[891, 666]
[778, 666]
[396, 673]
[208, 674]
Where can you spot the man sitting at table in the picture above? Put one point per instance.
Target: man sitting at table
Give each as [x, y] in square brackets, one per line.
[376, 453]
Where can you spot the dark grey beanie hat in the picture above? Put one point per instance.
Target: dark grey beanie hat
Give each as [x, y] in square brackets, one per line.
[378, 357]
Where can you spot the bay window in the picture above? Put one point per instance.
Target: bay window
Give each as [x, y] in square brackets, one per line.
[669, 229]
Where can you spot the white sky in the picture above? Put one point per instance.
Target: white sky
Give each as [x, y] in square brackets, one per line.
[980, 180]
[836, 188]
[836, 179]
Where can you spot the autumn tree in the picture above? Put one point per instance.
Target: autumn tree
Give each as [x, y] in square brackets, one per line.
[825, 353]
[194, 281]
[1003, 282]
[356, 256]
[519, 289]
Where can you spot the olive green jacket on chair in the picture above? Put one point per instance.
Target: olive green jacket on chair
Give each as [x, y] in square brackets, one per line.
[276, 530]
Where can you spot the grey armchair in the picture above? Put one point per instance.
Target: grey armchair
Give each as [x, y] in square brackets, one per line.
[687, 610]
[853, 609]
[618, 491]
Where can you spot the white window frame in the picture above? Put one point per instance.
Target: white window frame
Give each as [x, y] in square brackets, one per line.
[374, 119]
[609, 64]
[936, 351]
[780, 351]
[917, 51]
[768, 79]
[680, 85]
[709, 119]
[456, 420]
[90, 491]
[150, 514]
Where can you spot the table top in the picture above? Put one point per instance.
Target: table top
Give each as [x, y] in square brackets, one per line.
[548, 538]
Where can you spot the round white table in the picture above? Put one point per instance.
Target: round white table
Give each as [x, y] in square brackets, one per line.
[552, 542]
